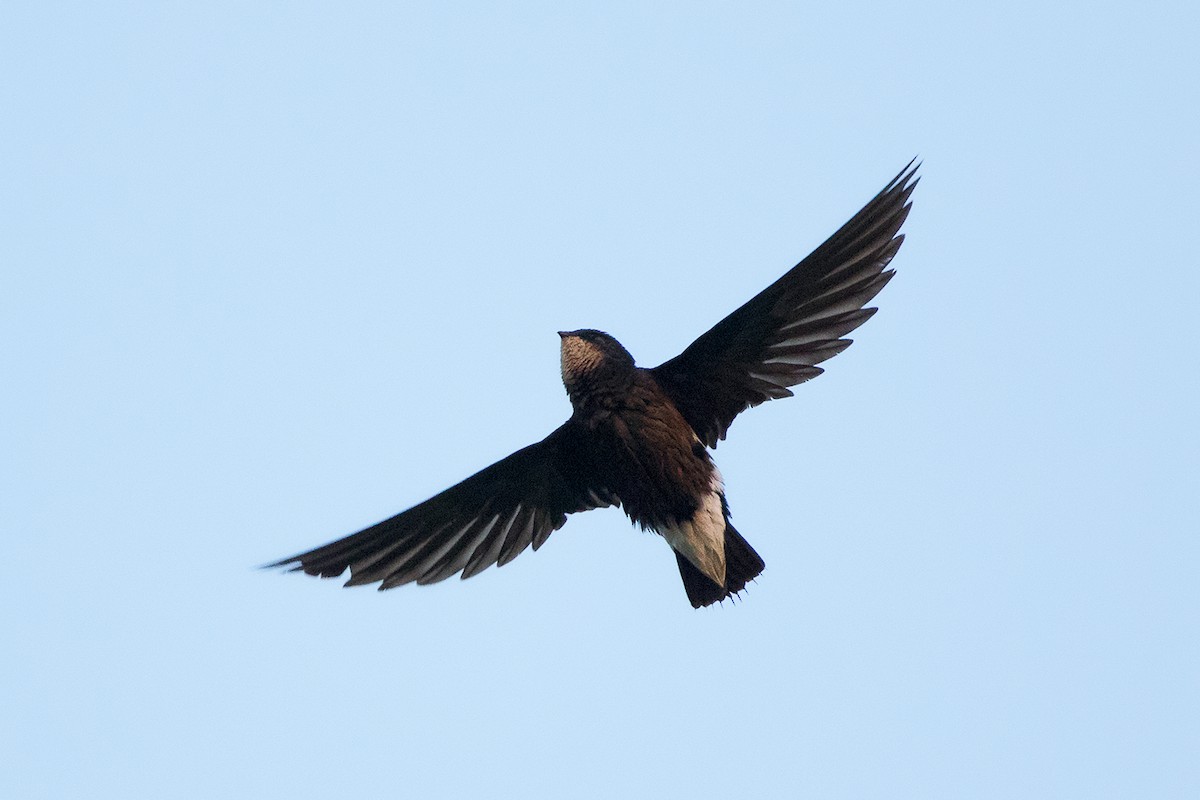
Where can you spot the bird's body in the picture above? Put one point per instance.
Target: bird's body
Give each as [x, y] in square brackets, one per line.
[644, 451]
[640, 438]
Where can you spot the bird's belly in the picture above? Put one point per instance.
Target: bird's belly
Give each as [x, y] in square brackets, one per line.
[666, 482]
[659, 485]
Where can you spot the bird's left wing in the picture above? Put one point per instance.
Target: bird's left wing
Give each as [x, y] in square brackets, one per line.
[779, 336]
[489, 518]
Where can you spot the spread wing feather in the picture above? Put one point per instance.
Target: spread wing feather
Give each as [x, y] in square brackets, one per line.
[489, 518]
[777, 338]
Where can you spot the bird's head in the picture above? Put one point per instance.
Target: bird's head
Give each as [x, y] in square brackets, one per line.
[593, 361]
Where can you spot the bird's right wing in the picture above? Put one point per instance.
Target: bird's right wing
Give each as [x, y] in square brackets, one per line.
[776, 339]
[489, 518]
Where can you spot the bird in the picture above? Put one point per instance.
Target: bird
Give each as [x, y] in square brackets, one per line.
[641, 438]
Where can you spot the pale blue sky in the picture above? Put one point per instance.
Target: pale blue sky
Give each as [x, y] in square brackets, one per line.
[274, 272]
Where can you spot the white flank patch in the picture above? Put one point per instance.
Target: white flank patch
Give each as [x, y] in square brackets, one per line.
[701, 539]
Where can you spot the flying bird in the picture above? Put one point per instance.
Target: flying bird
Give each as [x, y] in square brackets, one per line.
[640, 438]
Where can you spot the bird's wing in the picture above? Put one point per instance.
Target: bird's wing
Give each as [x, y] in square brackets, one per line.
[489, 518]
[777, 338]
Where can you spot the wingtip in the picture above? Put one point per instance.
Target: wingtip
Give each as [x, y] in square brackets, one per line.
[908, 176]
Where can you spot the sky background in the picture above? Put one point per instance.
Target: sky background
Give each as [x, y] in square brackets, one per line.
[273, 272]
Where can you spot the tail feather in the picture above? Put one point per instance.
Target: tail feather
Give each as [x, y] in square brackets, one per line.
[742, 565]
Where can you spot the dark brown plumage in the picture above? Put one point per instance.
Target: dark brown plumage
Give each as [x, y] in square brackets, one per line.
[640, 438]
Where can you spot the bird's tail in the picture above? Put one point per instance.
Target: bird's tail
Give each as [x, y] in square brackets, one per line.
[742, 565]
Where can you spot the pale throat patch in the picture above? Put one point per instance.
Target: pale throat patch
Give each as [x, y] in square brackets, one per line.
[578, 357]
[701, 539]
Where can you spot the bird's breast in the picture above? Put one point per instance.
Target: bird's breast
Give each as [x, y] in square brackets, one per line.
[654, 462]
